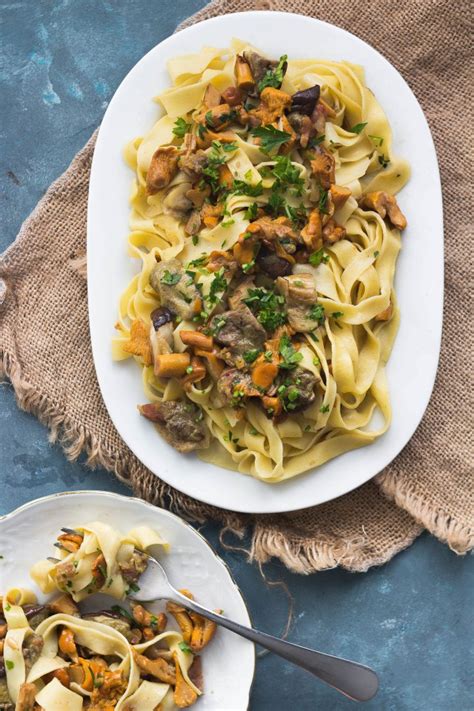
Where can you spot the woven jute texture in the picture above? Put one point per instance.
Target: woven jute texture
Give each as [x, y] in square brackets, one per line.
[46, 354]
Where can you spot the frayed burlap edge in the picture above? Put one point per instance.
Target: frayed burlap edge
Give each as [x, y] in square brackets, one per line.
[299, 557]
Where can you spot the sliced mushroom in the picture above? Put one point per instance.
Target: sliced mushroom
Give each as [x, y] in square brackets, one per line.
[177, 203]
[323, 167]
[304, 101]
[332, 232]
[161, 332]
[301, 296]
[163, 168]
[386, 206]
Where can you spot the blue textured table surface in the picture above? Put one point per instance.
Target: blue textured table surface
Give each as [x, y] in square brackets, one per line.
[62, 61]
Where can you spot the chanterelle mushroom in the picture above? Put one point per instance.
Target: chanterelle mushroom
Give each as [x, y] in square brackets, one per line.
[386, 206]
[163, 168]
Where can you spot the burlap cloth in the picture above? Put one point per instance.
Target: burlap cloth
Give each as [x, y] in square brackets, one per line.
[45, 349]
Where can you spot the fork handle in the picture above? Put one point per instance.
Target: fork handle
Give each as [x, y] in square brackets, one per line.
[358, 682]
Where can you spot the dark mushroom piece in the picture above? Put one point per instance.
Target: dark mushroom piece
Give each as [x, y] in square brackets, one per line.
[272, 264]
[304, 101]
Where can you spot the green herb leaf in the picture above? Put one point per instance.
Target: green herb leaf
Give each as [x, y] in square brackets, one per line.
[317, 313]
[240, 187]
[132, 587]
[323, 200]
[383, 161]
[268, 306]
[251, 211]
[250, 356]
[248, 266]
[185, 647]
[376, 253]
[337, 314]
[324, 408]
[170, 279]
[274, 77]
[270, 137]
[9, 664]
[189, 369]
[358, 128]
[181, 127]
[291, 357]
[195, 240]
[316, 258]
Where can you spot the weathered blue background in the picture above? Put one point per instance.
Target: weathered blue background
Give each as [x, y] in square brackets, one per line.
[62, 61]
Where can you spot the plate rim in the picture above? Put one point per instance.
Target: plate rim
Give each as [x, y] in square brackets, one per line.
[121, 497]
[435, 185]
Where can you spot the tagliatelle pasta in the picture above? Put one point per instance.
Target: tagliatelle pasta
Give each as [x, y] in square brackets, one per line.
[264, 218]
[94, 558]
[63, 659]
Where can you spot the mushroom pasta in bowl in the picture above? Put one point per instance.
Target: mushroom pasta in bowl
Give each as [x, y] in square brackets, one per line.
[264, 216]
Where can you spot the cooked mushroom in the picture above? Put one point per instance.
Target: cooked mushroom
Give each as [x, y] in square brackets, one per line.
[237, 332]
[332, 232]
[183, 694]
[297, 389]
[193, 225]
[304, 101]
[273, 265]
[241, 292]
[243, 74]
[158, 668]
[312, 232]
[177, 203]
[161, 331]
[301, 297]
[180, 423]
[323, 167]
[273, 103]
[193, 163]
[26, 697]
[176, 289]
[339, 195]
[212, 97]
[303, 126]
[233, 95]
[259, 65]
[386, 206]
[163, 168]
[234, 385]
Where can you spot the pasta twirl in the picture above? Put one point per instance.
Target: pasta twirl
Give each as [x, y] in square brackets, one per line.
[264, 217]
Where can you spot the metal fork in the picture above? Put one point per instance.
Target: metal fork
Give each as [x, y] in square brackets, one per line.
[354, 680]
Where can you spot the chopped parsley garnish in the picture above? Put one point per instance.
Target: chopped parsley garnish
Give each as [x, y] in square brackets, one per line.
[337, 314]
[250, 356]
[316, 258]
[296, 214]
[218, 325]
[313, 336]
[240, 187]
[122, 611]
[248, 266]
[195, 239]
[201, 130]
[170, 279]
[199, 261]
[251, 211]
[317, 313]
[185, 647]
[324, 408]
[268, 355]
[291, 357]
[8, 607]
[274, 77]
[316, 361]
[267, 306]
[383, 161]
[253, 431]
[270, 137]
[276, 203]
[9, 664]
[323, 200]
[287, 174]
[376, 253]
[218, 285]
[358, 128]
[181, 127]
[189, 369]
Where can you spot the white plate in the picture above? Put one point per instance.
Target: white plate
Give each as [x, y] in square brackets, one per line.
[27, 535]
[419, 279]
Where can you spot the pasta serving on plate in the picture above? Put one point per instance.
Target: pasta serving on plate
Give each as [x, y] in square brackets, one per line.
[264, 217]
[58, 657]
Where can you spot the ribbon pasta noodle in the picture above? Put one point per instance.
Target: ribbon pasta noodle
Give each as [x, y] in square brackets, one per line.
[62, 659]
[264, 218]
